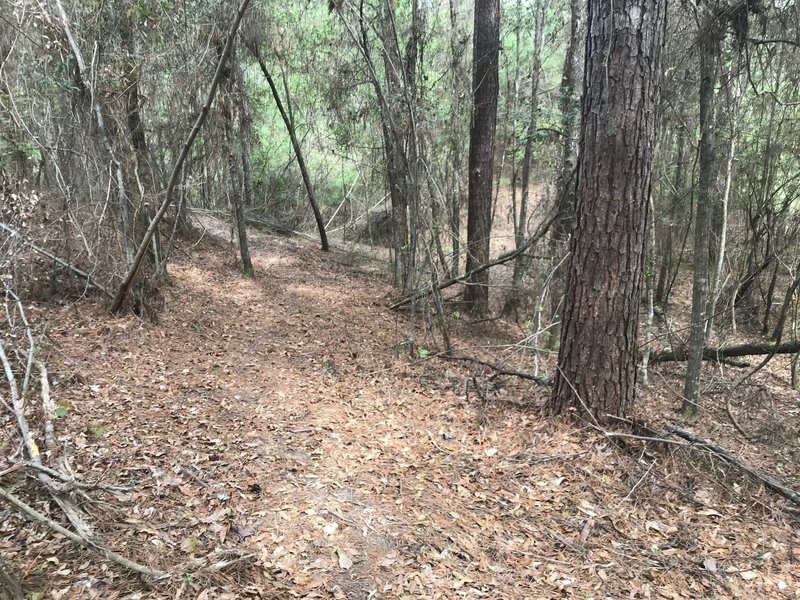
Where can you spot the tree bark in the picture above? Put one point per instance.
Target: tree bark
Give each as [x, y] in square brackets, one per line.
[598, 353]
[751, 349]
[457, 194]
[246, 137]
[569, 107]
[486, 50]
[709, 53]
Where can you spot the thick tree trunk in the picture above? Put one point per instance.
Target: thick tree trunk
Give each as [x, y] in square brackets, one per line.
[598, 352]
[486, 49]
[709, 53]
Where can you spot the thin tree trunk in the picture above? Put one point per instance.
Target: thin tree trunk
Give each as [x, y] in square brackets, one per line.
[665, 270]
[716, 289]
[569, 107]
[457, 196]
[649, 293]
[126, 231]
[521, 222]
[298, 151]
[486, 49]
[709, 53]
[124, 288]
[246, 135]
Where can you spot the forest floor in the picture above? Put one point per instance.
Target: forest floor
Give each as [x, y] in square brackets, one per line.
[282, 418]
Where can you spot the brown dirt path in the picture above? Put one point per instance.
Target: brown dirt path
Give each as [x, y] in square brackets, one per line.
[278, 416]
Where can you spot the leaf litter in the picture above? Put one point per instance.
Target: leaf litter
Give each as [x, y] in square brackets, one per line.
[281, 444]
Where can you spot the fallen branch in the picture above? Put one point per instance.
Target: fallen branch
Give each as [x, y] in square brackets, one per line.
[56, 489]
[543, 381]
[71, 535]
[91, 281]
[727, 352]
[502, 259]
[768, 480]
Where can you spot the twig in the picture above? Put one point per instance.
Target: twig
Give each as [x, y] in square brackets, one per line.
[81, 541]
[57, 490]
[543, 381]
[193, 477]
[503, 258]
[48, 407]
[767, 479]
[90, 280]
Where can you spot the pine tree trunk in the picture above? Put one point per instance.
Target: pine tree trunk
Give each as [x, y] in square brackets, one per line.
[598, 352]
[486, 48]
[709, 53]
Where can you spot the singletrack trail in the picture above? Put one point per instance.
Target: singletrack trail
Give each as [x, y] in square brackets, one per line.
[281, 417]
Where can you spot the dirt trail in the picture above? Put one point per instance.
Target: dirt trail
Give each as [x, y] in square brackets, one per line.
[279, 416]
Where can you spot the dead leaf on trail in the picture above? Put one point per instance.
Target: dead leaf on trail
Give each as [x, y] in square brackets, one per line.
[748, 575]
[710, 565]
[587, 530]
[330, 528]
[345, 562]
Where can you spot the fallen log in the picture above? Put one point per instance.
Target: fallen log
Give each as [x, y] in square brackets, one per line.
[768, 480]
[727, 352]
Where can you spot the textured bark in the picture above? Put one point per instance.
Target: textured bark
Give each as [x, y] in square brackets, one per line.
[709, 53]
[739, 350]
[597, 358]
[486, 48]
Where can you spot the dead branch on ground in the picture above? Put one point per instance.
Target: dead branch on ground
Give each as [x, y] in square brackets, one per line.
[727, 352]
[767, 479]
[499, 370]
[60, 483]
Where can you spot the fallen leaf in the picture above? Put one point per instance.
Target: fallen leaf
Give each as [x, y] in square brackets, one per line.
[345, 562]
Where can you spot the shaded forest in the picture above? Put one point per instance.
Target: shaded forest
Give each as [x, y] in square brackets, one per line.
[365, 299]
